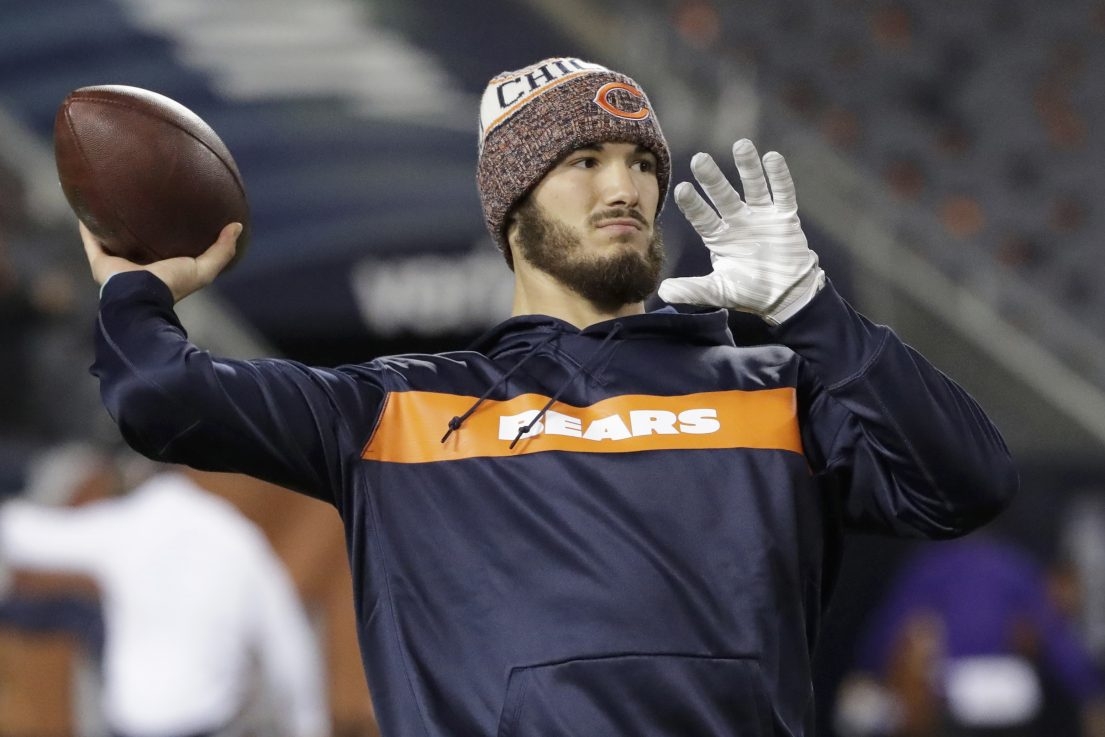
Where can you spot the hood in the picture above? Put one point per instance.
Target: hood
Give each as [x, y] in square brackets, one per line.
[527, 335]
[523, 332]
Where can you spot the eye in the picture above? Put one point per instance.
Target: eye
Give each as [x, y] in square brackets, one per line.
[645, 165]
[584, 162]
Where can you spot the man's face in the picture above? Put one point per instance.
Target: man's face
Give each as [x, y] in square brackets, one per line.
[590, 224]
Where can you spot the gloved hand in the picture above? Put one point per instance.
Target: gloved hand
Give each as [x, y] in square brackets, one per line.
[761, 261]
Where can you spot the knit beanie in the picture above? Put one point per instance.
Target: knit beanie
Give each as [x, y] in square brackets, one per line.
[533, 117]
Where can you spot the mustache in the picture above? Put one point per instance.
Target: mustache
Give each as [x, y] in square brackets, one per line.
[618, 212]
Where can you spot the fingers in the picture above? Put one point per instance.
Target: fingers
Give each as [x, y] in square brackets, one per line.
[184, 275]
[101, 263]
[716, 185]
[699, 214]
[782, 186]
[751, 172]
[92, 248]
[212, 261]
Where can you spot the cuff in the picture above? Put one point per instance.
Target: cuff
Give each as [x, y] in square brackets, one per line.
[124, 284]
[837, 341]
[796, 306]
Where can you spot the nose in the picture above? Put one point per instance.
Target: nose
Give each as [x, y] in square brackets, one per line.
[619, 187]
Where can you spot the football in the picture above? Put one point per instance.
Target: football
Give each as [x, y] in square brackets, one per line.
[147, 176]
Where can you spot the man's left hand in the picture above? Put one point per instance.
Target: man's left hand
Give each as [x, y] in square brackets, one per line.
[761, 260]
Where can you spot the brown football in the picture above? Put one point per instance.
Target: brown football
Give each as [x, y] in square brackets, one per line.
[145, 174]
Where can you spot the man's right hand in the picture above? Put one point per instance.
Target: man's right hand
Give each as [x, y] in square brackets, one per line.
[183, 275]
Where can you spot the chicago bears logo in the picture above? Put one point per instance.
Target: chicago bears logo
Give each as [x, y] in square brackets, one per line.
[608, 100]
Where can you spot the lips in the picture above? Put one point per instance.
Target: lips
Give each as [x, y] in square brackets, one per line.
[619, 223]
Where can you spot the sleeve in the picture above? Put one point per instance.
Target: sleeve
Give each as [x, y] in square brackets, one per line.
[47, 538]
[910, 451]
[288, 651]
[277, 420]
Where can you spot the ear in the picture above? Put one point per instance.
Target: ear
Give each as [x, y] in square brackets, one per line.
[510, 256]
[510, 231]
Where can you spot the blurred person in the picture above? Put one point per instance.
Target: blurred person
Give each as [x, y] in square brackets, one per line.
[698, 22]
[891, 25]
[28, 305]
[965, 644]
[193, 597]
[905, 178]
[962, 216]
[1078, 575]
[599, 520]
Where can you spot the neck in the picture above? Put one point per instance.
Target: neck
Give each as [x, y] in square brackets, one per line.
[537, 293]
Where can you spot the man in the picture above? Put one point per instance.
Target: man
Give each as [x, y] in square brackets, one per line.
[598, 521]
[192, 594]
[965, 642]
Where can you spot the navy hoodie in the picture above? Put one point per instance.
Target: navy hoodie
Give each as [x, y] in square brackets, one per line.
[630, 529]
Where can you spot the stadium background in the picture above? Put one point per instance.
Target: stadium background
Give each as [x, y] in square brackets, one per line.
[947, 155]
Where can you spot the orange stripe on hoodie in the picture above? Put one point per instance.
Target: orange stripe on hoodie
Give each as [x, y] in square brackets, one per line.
[413, 422]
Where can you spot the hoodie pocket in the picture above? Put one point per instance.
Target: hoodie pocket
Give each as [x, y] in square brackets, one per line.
[638, 696]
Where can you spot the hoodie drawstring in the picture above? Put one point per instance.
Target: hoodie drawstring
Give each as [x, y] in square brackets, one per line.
[579, 369]
[456, 422]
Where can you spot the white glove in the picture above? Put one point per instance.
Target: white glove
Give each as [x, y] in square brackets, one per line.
[761, 261]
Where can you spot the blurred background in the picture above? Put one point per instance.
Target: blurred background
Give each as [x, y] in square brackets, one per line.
[948, 174]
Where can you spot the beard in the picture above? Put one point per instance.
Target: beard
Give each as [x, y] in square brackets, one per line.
[608, 282]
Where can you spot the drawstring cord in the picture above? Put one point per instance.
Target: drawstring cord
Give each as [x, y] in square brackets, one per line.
[579, 369]
[456, 422]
